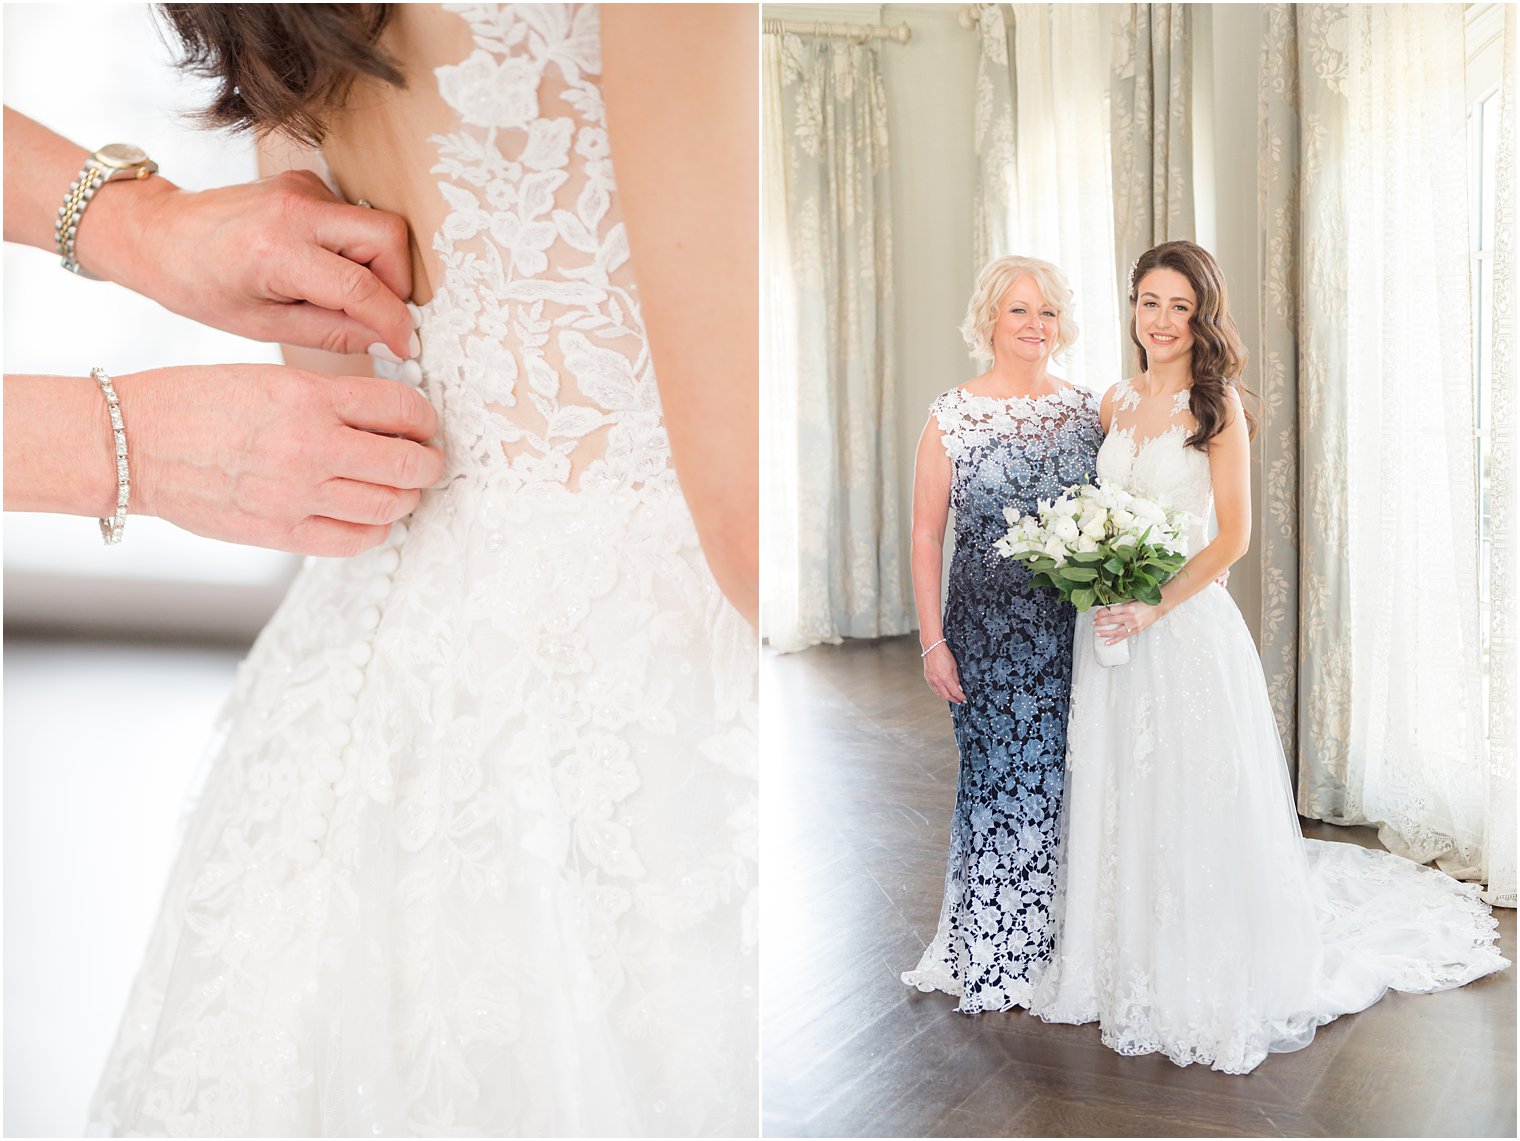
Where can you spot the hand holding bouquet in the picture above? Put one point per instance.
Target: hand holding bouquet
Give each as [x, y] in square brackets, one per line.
[1099, 545]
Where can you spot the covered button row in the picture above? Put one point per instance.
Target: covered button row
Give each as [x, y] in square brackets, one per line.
[328, 781]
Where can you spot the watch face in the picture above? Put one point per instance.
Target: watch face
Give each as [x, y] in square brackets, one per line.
[121, 155]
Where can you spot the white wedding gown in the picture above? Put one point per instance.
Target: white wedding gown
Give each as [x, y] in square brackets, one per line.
[1194, 919]
[477, 852]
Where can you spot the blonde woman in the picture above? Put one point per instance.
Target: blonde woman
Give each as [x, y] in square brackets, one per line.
[1001, 652]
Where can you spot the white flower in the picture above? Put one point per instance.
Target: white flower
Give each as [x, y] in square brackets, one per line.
[1084, 546]
[1065, 529]
[1095, 530]
[1056, 550]
[1123, 519]
[1011, 516]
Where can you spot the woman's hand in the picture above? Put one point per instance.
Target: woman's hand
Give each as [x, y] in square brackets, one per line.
[1124, 620]
[943, 676]
[280, 259]
[277, 457]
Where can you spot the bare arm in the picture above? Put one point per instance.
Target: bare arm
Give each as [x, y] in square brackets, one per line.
[1229, 469]
[680, 83]
[273, 260]
[257, 454]
[931, 510]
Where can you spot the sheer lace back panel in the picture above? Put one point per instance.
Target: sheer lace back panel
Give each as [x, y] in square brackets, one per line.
[1146, 451]
[534, 350]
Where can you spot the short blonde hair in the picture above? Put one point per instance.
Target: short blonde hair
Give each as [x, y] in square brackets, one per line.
[996, 279]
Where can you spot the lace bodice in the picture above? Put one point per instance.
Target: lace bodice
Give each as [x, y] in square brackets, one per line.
[1011, 453]
[534, 350]
[1146, 452]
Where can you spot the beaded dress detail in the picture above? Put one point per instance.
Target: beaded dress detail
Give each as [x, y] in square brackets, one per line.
[1193, 919]
[1012, 647]
[477, 852]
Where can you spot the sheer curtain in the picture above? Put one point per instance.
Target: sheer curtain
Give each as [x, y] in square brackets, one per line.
[831, 519]
[1042, 144]
[1504, 505]
[1369, 630]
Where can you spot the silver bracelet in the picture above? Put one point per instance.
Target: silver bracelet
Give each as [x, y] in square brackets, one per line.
[925, 654]
[111, 529]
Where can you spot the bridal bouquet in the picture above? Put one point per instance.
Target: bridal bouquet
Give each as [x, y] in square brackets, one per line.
[1098, 544]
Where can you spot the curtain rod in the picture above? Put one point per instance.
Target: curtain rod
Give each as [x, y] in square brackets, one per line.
[970, 16]
[862, 32]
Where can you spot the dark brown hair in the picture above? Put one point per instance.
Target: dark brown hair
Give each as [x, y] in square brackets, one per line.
[281, 65]
[1219, 355]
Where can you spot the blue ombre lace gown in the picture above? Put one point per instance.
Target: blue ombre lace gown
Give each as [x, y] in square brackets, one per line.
[1012, 645]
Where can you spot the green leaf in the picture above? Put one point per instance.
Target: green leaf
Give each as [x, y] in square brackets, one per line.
[1080, 574]
[1083, 599]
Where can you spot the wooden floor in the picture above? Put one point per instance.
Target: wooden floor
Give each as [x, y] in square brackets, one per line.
[859, 784]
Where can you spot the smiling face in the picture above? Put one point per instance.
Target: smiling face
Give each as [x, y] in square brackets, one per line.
[1164, 307]
[1026, 325]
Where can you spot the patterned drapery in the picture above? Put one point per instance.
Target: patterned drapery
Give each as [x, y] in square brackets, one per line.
[1369, 633]
[1151, 131]
[834, 562]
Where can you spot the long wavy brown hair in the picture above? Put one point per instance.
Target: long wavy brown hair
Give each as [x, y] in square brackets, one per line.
[1219, 355]
[280, 66]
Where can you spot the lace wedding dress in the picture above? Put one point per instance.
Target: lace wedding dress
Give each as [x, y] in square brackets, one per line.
[1194, 919]
[477, 854]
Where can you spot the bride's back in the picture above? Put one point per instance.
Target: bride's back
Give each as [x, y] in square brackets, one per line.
[496, 154]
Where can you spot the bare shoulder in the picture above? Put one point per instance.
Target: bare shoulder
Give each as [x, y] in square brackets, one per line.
[1235, 409]
[1110, 397]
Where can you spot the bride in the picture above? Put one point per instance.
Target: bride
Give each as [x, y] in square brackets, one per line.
[1194, 919]
[477, 854]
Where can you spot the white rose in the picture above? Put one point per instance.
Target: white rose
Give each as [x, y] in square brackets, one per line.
[1056, 550]
[1065, 529]
[1095, 530]
[1084, 546]
[1011, 516]
[1123, 519]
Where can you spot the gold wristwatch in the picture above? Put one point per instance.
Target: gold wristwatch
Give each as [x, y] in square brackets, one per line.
[110, 163]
